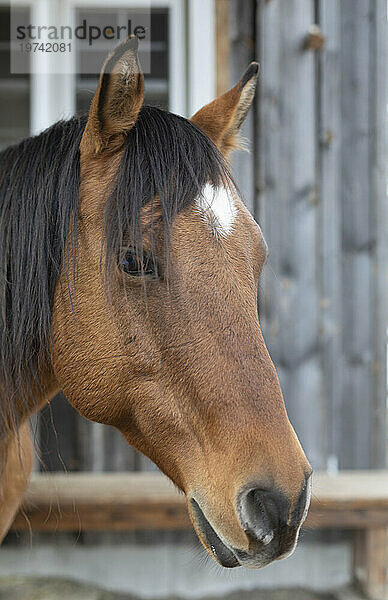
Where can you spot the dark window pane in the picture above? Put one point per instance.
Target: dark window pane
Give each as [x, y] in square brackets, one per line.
[14, 88]
[157, 93]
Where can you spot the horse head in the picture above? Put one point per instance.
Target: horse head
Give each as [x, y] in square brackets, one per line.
[163, 339]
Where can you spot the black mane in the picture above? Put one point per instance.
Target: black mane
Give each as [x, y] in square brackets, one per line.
[165, 156]
[39, 181]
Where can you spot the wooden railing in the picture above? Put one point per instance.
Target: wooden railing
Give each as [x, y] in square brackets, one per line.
[146, 501]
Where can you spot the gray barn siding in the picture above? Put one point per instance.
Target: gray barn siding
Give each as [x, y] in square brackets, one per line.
[379, 189]
[357, 235]
[289, 215]
[329, 180]
[322, 205]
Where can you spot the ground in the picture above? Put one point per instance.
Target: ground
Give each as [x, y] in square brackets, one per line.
[13, 588]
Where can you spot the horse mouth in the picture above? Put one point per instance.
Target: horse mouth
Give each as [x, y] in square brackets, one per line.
[222, 554]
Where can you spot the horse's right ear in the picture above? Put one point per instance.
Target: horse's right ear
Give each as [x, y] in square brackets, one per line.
[118, 99]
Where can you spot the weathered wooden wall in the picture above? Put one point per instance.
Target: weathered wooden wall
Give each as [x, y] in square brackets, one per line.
[315, 179]
[321, 200]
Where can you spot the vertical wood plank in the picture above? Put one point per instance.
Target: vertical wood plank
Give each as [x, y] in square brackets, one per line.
[371, 562]
[58, 436]
[357, 233]
[268, 166]
[379, 174]
[242, 52]
[222, 46]
[288, 209]
[329, 166]
[103, 448]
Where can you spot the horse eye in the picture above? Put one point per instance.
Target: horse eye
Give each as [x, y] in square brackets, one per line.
[136, 267]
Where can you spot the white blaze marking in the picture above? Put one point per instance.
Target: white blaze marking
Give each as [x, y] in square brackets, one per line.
[218, 209]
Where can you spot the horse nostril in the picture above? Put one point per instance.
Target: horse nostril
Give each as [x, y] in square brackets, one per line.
[262, 512]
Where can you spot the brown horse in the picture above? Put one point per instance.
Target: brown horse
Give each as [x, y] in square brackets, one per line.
[128, 279]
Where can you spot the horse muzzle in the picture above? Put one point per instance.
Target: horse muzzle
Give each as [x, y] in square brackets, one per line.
[270, 525]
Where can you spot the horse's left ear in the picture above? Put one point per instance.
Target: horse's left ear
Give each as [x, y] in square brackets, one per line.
[221, 120]
[118, 99]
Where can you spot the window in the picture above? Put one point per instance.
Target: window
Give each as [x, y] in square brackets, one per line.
[14, 90]
[182, 62]
[157, 82]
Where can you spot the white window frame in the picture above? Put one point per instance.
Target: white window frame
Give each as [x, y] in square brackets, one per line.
[191, 56]
[201, 54]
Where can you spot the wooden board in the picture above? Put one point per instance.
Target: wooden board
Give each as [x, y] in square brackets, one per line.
[148, 501]
[288, 202]
[222, 46]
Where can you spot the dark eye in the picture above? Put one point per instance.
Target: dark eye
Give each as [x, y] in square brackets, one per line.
[137, 266]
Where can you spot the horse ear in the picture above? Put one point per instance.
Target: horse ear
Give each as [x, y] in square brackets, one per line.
[118, 99]
[221, 120]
